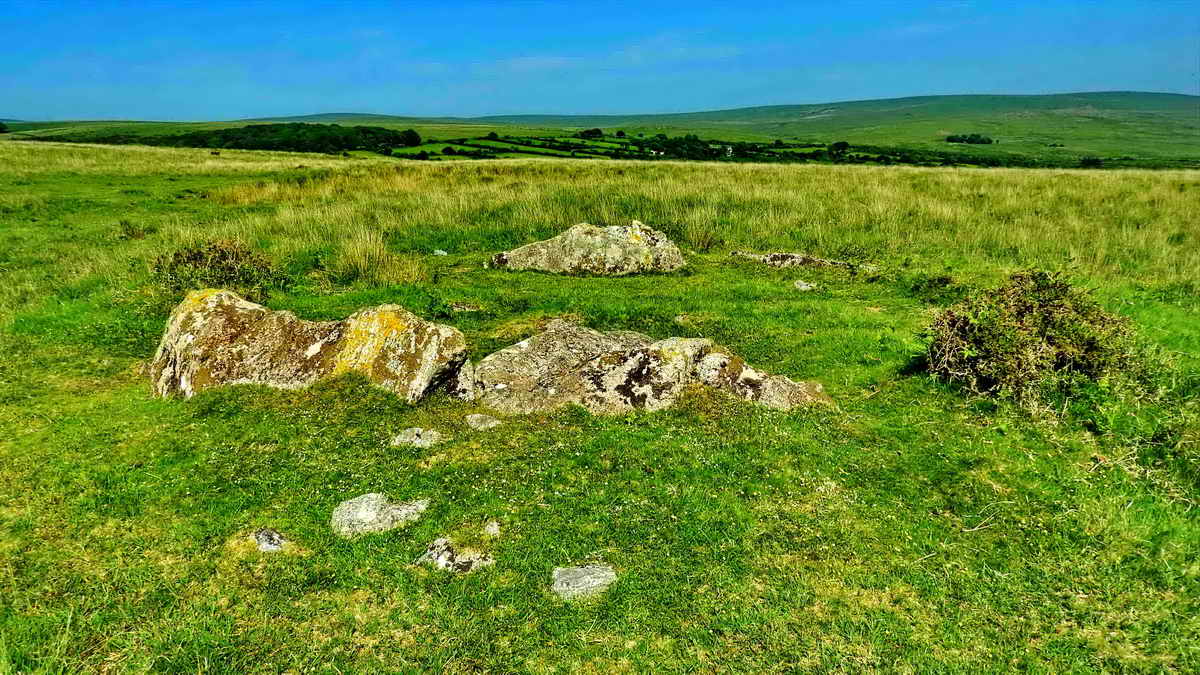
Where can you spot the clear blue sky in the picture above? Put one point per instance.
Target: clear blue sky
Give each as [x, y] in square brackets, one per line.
[219, 59]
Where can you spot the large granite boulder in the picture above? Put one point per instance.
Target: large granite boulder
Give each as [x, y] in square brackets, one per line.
[216, 338]
[616, 250]
[617, 372]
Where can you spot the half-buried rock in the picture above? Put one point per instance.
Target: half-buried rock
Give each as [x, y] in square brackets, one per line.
[373, 512]
[216, 338]
[618, 372]
[616, 250]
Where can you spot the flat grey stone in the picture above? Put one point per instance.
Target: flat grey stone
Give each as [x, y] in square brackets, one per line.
[802, 285]
[583, 581]
[418, 437]
[269, 541]
[373, 512]
[482, 422]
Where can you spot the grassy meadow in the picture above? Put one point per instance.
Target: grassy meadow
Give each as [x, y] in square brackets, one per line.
[910, 528]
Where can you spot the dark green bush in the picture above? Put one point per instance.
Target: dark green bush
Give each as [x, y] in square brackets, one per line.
[219, 264]
[1033, 336]
[973, 139]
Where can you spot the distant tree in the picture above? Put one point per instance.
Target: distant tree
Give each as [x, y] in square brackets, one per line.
[620, 133]
[1091, 162]
[3, 128]
[778, 143]
[592, 133]
[410, 138]
[448, 151]
[422, 155]
[838, 150]
[493, 136]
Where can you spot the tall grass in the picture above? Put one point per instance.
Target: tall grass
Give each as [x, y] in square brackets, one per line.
[1105, 224]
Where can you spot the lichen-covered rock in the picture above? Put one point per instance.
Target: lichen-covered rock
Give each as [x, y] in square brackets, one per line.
[443, 555]
[730, 373]
[616, 250]
[216, 338]
[544, 371]
[374, 512]
[618, 372]
[584, 581]
[418, 437]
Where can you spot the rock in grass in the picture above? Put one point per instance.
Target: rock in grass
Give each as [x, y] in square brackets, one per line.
[374, 512]
[801, 260]
[269, 541]
[585, 581]
[482, 422]
[216, 338]
[804, 286]
[443, 555]
[618, 372]
[418, 437]
[616, 250]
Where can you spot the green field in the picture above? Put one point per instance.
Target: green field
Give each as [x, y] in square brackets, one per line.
[911, 527]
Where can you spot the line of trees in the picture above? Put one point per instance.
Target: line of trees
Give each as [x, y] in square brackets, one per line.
[973, 139]
[290, 137]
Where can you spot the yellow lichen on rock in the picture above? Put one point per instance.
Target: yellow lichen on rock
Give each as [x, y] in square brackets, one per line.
[365, 336]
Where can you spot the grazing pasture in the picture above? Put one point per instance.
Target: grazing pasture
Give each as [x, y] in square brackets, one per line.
[912, 527]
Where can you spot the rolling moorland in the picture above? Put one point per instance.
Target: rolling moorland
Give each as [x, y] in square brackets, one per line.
[913, 526]
[1122, 129]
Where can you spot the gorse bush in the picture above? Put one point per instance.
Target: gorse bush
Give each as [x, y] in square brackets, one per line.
[219, 264]
[1034, 336]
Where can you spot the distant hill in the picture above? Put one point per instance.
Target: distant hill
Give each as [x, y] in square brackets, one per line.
[1109, 124]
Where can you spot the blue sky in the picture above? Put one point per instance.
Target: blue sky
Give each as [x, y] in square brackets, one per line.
[228, 60]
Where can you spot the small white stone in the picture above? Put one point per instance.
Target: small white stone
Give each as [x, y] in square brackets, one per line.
[492, 529]
[804, 286]
[269, 541]
[440, 252]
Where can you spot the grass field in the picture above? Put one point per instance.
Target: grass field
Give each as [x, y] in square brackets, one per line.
[910, 528]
